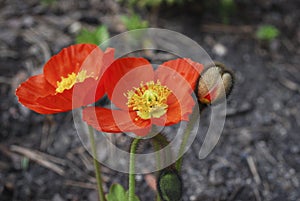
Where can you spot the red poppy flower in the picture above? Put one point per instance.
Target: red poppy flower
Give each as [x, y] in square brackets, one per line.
[144, 96]
[79, 66]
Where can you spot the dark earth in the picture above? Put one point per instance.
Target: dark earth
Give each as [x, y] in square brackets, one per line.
[258, 155]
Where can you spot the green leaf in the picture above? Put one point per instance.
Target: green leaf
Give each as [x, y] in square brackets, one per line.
[102, 34]
[134, 22]
[85, 36]
[267, 32]
[117, 193]
[135, 198]
[227, 8]
[25, 163]
[96, 37]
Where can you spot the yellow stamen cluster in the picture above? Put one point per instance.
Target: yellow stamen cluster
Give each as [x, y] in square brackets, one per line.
[149, 100]
[68, 82]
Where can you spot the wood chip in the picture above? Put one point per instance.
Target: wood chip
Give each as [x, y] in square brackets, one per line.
[289, 84]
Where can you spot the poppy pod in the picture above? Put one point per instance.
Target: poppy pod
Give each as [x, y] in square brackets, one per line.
[79, 66]
[169, 184]
[145, 96]
[214, 84]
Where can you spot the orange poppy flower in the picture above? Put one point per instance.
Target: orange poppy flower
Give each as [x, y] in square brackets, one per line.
[78, 65]
[145, 96]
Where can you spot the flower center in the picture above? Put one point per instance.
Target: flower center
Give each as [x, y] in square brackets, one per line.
[68, 82]
[149, 100]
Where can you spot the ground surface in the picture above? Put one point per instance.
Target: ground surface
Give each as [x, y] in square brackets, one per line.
[258, 155]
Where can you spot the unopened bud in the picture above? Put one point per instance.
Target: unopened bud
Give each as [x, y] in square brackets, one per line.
[214, 84]
[169, 185]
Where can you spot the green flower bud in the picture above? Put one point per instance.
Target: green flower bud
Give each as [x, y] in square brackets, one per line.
[169, 185]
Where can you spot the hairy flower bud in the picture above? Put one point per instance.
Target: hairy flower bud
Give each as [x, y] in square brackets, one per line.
[214, 84]
[169, 185]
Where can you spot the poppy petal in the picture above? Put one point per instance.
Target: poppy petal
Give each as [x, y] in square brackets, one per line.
[91, 89]
[108, 57]
[96, 62]
[178, 110]
[35, 86]
[59, 102]
[41, 109]
[174, 81]
[187, 68]
[70, 60]
[87, 92]
[124, 74]
[184, 107]
[114, 121]
[32, 89]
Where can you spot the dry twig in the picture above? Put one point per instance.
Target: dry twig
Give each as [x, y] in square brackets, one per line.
[41, 158]
[253, 169]
[80, 184]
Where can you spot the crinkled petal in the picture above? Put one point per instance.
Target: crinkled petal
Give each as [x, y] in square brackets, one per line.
[115, 121]
[187, 68]
[32, 89]
[174, 81]
[70, 60]
[87, 92]
[92, 89]
[178, 110]
[96, 62]
[61, 102]
[125, 74]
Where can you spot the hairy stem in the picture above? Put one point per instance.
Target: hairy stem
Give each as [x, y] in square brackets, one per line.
[131, 189]
[159, 142]
[96, 165]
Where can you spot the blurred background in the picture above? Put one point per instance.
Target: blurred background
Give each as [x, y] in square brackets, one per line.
[258, 155]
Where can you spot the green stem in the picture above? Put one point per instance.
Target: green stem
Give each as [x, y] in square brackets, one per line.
[96, 165]
[131, 189]
[186, 135]
[160, 141]
[157, 147]
[158, 197]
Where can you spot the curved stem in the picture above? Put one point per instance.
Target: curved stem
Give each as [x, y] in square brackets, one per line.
[96, 165]
[131, 189]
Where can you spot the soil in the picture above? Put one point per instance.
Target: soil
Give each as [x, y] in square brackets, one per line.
[258, 155]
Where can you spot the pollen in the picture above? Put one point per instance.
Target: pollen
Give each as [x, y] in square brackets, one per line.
[149, 100]
[69, 81]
